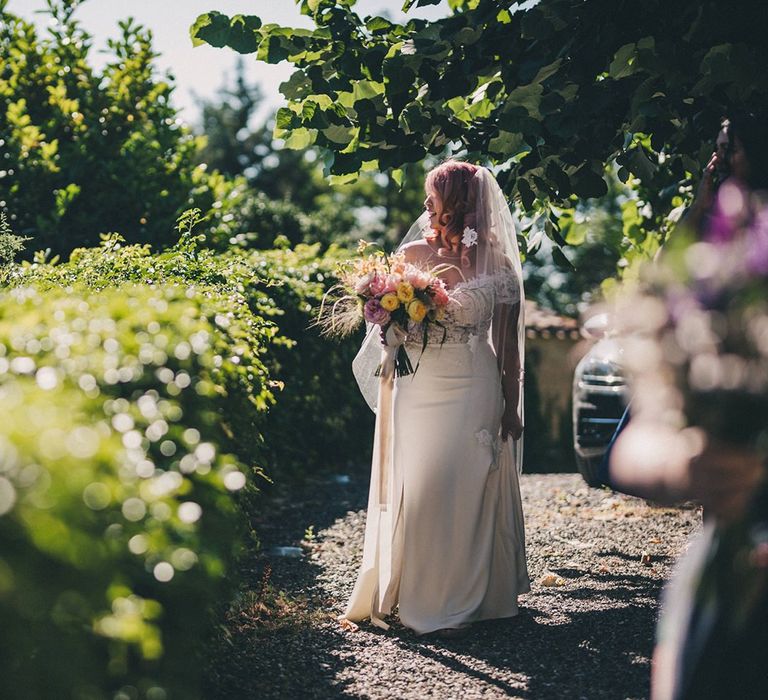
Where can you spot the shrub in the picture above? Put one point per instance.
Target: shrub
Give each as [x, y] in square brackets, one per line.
[115, 477]
[238, 215]
[320, 421]
[87, 151]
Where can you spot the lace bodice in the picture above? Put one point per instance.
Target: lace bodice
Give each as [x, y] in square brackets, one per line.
[469, 312]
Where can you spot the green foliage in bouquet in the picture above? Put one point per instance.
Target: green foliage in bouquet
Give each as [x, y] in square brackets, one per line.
[117, 517]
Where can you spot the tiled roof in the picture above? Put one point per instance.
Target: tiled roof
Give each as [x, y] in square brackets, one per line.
[543, 323]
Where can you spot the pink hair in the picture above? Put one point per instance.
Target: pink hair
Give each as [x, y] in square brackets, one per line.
[454, 187]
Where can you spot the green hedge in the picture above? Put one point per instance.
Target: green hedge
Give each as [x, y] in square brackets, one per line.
[117, 520]
[320, 421]
[138, 387]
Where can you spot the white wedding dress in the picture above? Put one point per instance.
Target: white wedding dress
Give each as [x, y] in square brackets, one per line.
[444, 539]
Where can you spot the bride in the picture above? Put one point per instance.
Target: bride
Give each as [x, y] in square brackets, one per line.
[444, 537]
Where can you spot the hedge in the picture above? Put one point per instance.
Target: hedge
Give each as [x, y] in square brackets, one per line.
[117, 521]
[320, 421]
[142, 390]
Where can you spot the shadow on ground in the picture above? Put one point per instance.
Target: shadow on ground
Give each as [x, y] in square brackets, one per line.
[279, 641]
[277, 638]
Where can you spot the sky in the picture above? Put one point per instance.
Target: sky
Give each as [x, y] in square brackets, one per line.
[200, 71]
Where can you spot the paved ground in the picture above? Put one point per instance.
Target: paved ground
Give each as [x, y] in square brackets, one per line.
[597, 562]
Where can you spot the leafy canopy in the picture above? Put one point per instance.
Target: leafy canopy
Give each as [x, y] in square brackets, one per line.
[551, 93]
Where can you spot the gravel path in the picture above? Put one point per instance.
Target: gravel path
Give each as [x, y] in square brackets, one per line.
[597, 562]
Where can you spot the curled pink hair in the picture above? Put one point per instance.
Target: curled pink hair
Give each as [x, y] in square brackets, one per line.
[453, 186]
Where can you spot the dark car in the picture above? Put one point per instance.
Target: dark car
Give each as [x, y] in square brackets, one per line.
[599, 397]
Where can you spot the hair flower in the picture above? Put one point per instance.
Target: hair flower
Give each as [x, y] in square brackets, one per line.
[470, 237]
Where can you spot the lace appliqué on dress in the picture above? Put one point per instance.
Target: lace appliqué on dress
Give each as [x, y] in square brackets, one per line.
[468, 313]
[485, 438]
[506, 288]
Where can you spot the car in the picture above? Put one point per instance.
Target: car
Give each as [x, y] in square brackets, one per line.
[600, 396]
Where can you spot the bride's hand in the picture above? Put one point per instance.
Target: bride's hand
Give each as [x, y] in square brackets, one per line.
[393, 336]
[511, 425]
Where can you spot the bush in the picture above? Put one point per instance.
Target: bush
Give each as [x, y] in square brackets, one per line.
[238, 215]
[321, 420]
[88, 151]
[118, 526]
[318, 392]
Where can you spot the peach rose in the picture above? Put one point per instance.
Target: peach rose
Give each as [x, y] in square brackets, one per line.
[390, 301]
[417, 310]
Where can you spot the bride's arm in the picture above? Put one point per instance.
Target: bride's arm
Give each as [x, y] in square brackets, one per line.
[508, 318]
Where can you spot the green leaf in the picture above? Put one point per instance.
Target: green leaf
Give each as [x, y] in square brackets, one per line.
[547, 71]
[366, 89]
[346, 179]
[641, 165]
[526, 96]
[587, 183]
[298, 86]
[561, 260]
[623, 60]
[203, 22]
[300, 138]
[378, 24]
[509, 145]
[339, 134]
[575, 234]
[215, 28]
[272, 49]
[243, 34]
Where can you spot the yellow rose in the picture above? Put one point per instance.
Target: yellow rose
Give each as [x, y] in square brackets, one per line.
[390, 301]
[405, 292]
[417, 310]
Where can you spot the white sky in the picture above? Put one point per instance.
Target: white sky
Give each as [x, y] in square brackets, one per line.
[202, 70]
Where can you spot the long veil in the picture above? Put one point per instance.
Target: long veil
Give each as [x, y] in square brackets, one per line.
[498, 263]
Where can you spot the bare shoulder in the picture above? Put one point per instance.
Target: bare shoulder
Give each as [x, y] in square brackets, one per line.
[417, 251]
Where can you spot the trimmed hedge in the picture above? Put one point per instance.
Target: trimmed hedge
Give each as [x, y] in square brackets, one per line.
[142, 390]
[116, 518]
[320, 421]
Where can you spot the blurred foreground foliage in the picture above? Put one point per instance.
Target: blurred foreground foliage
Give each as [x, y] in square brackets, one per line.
[145, 394]
[117, 527]
[281, 287]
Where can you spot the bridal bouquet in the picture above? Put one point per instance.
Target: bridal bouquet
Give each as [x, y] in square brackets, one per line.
[385, 291]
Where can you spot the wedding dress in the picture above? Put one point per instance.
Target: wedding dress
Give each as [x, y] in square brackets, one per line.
[444, 538]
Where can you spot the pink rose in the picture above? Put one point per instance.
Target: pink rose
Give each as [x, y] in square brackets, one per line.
[362, 285]
[439, 294]
[378, 285]
[391, 284]
[375, 313]
[418, 278]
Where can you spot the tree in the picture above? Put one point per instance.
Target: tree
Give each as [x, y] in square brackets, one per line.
[291, 180]
[552, 94]
[231, 144]
[88, 152]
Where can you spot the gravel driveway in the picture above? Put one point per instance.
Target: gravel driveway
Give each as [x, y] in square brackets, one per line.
[597, 562]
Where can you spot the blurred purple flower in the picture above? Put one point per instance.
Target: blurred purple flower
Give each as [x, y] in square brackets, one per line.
[757, 244]
[728, 213]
